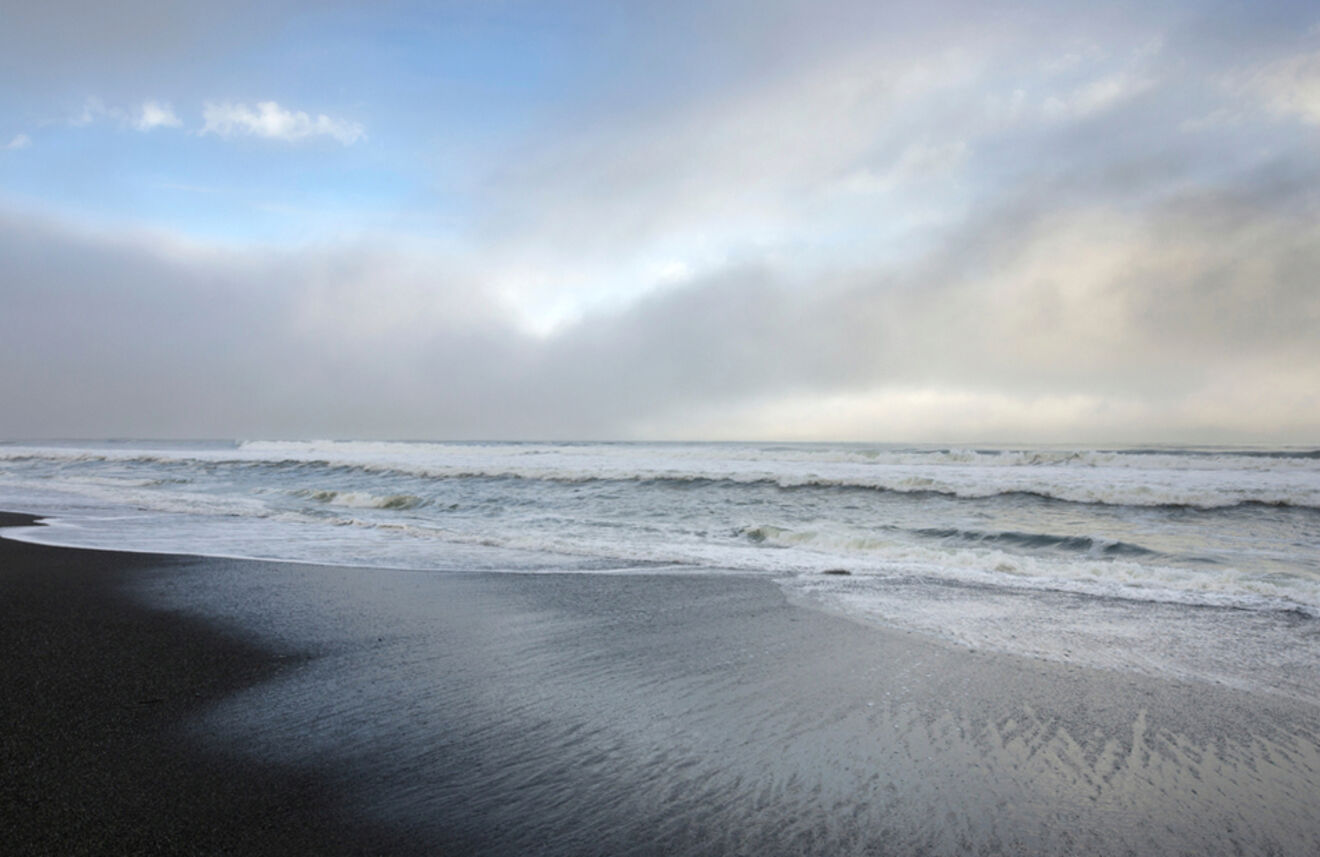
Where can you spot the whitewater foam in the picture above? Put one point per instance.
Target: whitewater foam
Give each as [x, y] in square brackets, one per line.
[1197, 480]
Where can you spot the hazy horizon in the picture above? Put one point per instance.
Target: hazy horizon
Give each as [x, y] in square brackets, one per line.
[973, 223]
[953, 445]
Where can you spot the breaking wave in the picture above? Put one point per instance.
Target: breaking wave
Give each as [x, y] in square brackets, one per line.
[1140, 478]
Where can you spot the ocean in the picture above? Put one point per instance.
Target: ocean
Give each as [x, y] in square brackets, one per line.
[1200, 564]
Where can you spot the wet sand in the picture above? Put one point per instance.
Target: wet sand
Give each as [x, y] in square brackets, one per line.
[192, 705]
[96, 689]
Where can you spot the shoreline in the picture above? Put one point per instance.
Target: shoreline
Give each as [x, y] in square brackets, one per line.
[257, 707]
[99, 687]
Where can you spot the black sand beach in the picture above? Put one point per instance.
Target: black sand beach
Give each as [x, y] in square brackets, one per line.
[182, 705]
[96, 687]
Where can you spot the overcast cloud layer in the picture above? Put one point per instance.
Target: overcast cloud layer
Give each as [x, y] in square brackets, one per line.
[936, 221]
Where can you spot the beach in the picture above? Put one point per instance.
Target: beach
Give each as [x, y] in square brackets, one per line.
[698, 429]
[172, 704]
[94, 758]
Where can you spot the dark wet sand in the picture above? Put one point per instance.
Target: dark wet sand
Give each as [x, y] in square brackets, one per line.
[199, 706]
[92, 760]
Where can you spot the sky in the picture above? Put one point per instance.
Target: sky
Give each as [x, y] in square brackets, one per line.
[936, 221]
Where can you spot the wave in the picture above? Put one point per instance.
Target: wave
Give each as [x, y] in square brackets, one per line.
[1073, 544]
[804, 555]
[801, 557]
[1006, 559]
[899, 539]
[364, 500]
[1198, 487]
[681, 454]
[1304, 496]
[1303, 454]
[1117, 579]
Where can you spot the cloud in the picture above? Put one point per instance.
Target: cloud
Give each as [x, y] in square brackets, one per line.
[93, 108]
[150, 115]
[891, 221]
[859, 153]
[149, 335]
[916, 162]
[153, 114]
[271, 121]
[1290, 86]
[1190, 318]
[588, 210]
[1096, 96]
[18, 141]
[226, 119]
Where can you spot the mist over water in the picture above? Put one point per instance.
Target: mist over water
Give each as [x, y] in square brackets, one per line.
[1201, 563]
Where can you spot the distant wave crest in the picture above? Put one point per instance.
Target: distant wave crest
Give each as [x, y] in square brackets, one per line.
[1142, 478]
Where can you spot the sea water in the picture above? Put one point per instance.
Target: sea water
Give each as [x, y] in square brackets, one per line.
[1197, 563]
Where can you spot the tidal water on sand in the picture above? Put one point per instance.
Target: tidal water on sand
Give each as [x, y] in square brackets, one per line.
[568, 714]
[1195, 563]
